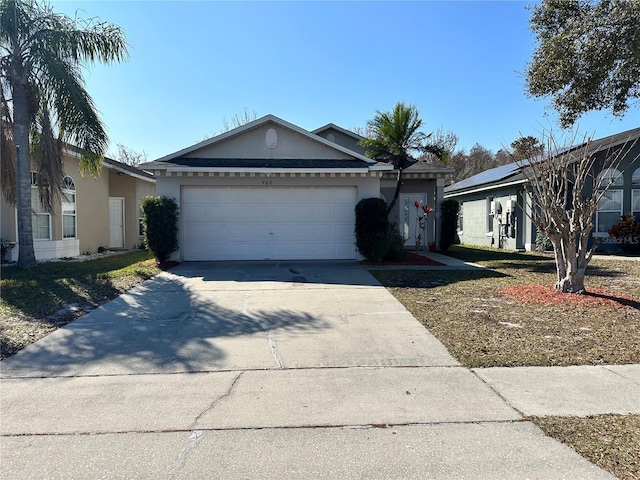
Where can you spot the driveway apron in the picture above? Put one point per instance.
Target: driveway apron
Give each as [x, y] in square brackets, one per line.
[260, 370]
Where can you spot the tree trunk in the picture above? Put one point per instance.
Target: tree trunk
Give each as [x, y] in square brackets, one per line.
[21, 127]
[573, 282]
[397, 192]
[573, 279]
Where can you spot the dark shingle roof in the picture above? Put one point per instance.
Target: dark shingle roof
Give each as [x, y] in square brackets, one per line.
[127, 168]
[419, 167]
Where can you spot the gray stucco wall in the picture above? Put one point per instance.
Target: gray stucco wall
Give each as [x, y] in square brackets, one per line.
[343, 139]
[505, 228]
[252, 144]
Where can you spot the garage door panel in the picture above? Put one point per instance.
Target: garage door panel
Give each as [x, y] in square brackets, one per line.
[323, 195]
[303, 250]
[343, 231]
[282, 231]
[323, 213]
[300, 212]
[343, 213]
[279, 212]
[344, 195]
[194, 212]
[323, 250]
[236, 233]
[236, 195]
[301, 195]
[303, 231]
[341, 250]
[268, 223]
[323, 232]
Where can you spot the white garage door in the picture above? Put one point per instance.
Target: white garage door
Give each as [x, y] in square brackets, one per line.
[277, 223]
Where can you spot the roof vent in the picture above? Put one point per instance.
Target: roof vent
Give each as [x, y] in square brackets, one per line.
[331, 137]
[271, 138]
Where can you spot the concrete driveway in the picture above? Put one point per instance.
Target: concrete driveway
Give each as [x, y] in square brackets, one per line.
[260, 370]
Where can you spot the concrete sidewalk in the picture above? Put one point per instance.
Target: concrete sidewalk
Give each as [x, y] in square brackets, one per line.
[448, 263]
[267, 370]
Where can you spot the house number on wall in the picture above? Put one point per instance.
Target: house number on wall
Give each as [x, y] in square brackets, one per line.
[267, 182]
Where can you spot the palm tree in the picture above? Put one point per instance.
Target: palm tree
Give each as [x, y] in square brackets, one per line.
[394, 137]
[42, 91]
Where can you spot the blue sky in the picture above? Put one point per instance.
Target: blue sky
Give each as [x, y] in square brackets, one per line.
[194, 64]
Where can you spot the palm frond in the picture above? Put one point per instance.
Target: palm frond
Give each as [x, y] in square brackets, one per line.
[46, 152]
[396, 135]
[76, 115]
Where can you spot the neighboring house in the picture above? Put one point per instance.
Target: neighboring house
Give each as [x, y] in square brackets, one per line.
[491, 202]
[272, 190]
[92, 213]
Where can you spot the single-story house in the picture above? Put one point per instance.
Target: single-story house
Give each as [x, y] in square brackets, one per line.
[493, 203]
[272, 190]
[93, 212]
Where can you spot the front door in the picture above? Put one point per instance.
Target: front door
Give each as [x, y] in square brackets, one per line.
[409, 217]
[116, 222]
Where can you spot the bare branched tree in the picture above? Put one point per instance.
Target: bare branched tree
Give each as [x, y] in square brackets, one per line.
[130, 157]
[564, 187]
[238, 120]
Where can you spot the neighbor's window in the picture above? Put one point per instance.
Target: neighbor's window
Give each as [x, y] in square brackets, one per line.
[635, 194]
[68, 208]
[460, 218]
[40, 219]
[610, 204]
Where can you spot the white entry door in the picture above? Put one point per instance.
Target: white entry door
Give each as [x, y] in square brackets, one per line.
[116, 222]
[409, 217]
[277, 223]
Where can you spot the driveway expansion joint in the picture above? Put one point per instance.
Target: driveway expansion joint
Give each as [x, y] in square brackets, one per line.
[197, 435]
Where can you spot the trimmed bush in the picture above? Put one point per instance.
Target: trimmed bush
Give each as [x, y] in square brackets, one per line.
[397, 251]
[160, 220]
[372, 229]
[627, 234]
[449, 209]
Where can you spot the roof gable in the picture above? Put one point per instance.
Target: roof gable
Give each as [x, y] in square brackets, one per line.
[341, 136]
[268, 137]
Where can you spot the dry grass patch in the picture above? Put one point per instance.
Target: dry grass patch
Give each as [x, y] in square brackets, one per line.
[499, 317]
[610, 441]
[482, 327]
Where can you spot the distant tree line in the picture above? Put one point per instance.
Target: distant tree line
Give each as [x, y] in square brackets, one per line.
[478, 158]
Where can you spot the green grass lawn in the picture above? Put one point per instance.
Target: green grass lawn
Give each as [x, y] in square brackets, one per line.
[30, 298]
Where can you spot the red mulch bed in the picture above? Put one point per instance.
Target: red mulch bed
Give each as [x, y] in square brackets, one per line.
[410, 259]
[547, 295]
